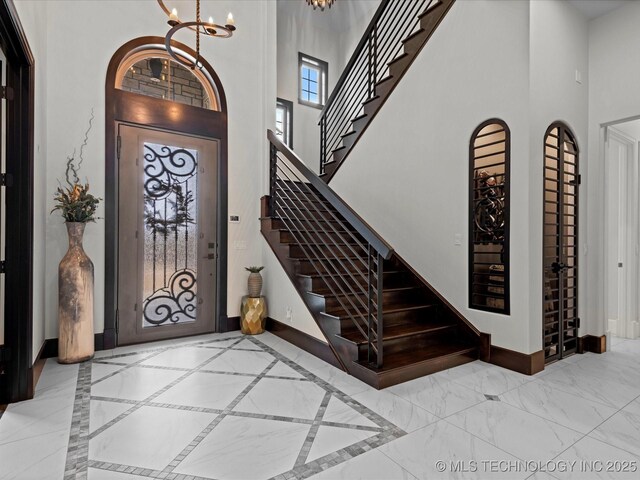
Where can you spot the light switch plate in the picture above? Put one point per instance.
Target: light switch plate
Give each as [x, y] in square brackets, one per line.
[457, 239]
[240, 245]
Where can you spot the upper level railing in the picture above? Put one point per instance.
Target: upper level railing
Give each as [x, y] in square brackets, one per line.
[381, 43]
[339, 245]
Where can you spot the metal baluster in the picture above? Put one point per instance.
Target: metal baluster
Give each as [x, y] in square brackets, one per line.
[370, 306]
[380, 312]
[323, 142]
[273, 178]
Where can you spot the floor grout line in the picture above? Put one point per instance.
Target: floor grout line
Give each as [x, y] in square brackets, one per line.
[156, 394]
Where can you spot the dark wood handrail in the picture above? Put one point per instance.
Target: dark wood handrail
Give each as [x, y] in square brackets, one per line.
[377, 242]
[356, 53]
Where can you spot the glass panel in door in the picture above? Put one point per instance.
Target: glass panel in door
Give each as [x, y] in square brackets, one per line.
[170, 245]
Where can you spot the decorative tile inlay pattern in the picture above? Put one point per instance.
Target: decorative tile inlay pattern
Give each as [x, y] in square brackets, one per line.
[214, 409]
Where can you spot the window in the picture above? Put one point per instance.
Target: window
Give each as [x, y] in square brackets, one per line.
[312, 81]
[284, 121]
[152, 72]
[489, 157]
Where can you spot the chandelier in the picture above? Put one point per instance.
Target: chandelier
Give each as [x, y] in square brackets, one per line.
[321, 4]
[208, 29]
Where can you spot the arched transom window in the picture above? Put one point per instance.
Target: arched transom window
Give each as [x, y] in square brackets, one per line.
[152, 72]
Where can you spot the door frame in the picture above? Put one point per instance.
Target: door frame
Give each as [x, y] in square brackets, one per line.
[17, 354]
[148, 112]
[135, 332]
[632, 267]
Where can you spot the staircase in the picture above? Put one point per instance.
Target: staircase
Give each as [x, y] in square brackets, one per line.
[384, 323]
[394, 38]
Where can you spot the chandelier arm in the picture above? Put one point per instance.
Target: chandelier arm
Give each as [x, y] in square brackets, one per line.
[222, 31]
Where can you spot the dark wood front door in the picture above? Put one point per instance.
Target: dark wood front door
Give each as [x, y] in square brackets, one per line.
[167, 235]
[560, 243]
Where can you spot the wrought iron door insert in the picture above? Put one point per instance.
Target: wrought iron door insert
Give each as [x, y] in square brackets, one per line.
[560, 243]
[170, 235]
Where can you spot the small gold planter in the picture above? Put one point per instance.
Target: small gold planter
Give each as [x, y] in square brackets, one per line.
[253, 315]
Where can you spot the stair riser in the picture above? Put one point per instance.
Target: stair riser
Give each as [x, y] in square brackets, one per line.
[416, 342]
[338, 155]
[414, 45]
[388, 379]
[315, 237]
[383, 89]
[414, 315]
[349, 140]
[299, 206]
[372, 107]
[397, 68]
[313, 221]
[388, 298]
[359, 124]
[390, 279]
[346, 268]
[297, 251]
[428, 21]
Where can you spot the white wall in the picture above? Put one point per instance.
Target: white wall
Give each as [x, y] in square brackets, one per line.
[614, 76]
[77, 57]
[331, 36]
[558, 47]
[33, 16]
[414, 155]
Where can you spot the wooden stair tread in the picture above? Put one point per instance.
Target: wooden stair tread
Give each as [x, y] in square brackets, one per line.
[399, 58]
[412, 358]
[401, 330]
[388, 309]
[386, 79]
[327, 292]
[415, 34]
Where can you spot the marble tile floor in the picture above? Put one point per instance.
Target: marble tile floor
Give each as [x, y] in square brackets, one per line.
[226, 406]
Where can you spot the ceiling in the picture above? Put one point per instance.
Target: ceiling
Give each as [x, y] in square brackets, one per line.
[595, 8]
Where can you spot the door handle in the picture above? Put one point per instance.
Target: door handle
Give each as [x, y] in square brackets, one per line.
[557, 267]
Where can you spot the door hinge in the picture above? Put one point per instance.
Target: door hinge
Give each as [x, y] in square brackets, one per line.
[3, 267]
[6, 93]
[6, 180]
[118, 145]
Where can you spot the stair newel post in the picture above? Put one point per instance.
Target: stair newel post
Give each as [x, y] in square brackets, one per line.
[379, 287]
[370, 320]
[273, 179]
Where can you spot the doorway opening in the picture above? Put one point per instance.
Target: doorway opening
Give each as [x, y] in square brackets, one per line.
[560, 243]
[165, 198]
[622, 226]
